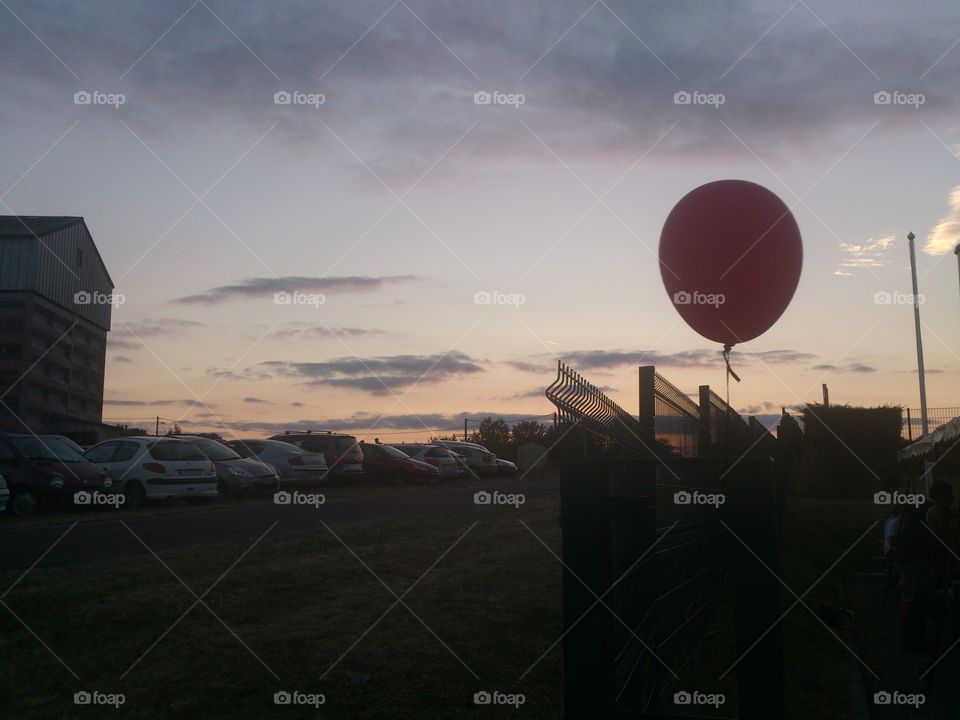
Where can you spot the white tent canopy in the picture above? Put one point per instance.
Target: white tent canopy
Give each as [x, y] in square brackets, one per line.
[948, 432]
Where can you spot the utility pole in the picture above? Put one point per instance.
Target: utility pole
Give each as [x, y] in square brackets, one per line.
[464, 429]
[924, 421]
[156, 432]
[826, 396]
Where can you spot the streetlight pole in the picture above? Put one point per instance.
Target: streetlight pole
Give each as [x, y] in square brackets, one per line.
[916, 321]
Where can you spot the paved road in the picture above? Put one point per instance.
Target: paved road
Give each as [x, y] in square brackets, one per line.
[20, 547]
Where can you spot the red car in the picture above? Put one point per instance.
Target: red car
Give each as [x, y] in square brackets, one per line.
[385, 462]
[46, 471]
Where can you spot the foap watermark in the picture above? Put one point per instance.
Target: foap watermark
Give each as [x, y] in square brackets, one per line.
[299, 498]
[95, 97]
[695, 697]
[95, 697]
[683, 497]
[299, 298]
[898, 498]
[514, 100]
[484, 297]
[895, 97]
[685, 297]
[695, 97]
[885, 697]
[296, 97]
[295, 697]
[495, 697]
[86, 297]
[85, 497]
[897, 298]
[498, 498]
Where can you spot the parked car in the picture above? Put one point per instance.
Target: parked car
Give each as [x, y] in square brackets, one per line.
[440, 457]
[154, 468]
[507, 468]
[45, 471]
[480, 461]
[294, 465]
[343, 454]
[4, 493]
[63, 438]
[234, 473]
[386, 462]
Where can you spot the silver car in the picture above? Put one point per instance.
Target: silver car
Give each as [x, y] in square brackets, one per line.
[294, 465]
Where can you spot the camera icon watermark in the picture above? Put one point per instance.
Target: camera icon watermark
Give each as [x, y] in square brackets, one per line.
[485, 297]
[483, 497]
[884, 297]
[495, 697]
[95, 697]
[95, 97]
[86, 297]
[885, 697]
[85, 497]
[695, 97]
[299, 298]
[299, 498]
[894, 97]
[898, 498]
[685, 297]
[514, 100]
[695, 697]
[296, 97]
[295, 697]
[684, 497]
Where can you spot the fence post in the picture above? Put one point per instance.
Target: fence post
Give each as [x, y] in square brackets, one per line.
[588, 643]
[752, 514]
[705, 449]
[648, 423]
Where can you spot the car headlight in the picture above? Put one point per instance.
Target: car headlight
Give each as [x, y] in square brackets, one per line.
[108, 482]
[56, 482]
[240, 473]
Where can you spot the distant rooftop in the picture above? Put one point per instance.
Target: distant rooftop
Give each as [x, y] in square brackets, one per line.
[33, 225]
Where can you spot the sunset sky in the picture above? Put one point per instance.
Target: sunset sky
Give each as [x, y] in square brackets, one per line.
[399, 197]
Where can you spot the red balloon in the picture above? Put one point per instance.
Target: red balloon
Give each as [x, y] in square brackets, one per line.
[730, 259]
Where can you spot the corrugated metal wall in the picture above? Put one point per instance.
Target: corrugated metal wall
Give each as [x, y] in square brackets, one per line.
[50, 267]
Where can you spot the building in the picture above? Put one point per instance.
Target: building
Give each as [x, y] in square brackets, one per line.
[56, 298]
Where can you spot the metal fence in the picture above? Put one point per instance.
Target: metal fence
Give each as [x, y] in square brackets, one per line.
[584, 405]
[913, 422]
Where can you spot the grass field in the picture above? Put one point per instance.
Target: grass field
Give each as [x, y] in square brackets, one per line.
[316, 613]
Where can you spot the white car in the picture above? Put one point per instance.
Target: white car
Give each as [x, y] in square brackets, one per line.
[480, 461]
[154, 468]
[440, 457]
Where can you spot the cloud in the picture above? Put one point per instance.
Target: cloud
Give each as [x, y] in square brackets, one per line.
[133, 335]
[410, 80]
[379, 375]
[158, 403]
[122, 359]
[854, 367]
[946, 233]
[266, 286]
[700, 358]
[309, 331]
[868, 255]
[257, 401]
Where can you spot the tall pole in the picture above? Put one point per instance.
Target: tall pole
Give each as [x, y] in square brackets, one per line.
[956, 251]
[464, 429]
[924, 422]
[826, 396]
[157, 431]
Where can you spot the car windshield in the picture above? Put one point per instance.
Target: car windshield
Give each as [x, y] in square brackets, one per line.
[46, 449]
[214, 450]
[393, 452]
[175, 450]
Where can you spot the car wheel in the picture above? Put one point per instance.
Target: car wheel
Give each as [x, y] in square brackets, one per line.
[134, 494]
[23, 503]
[223, 489]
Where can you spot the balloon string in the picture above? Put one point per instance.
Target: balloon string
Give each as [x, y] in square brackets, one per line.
[726, 433]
